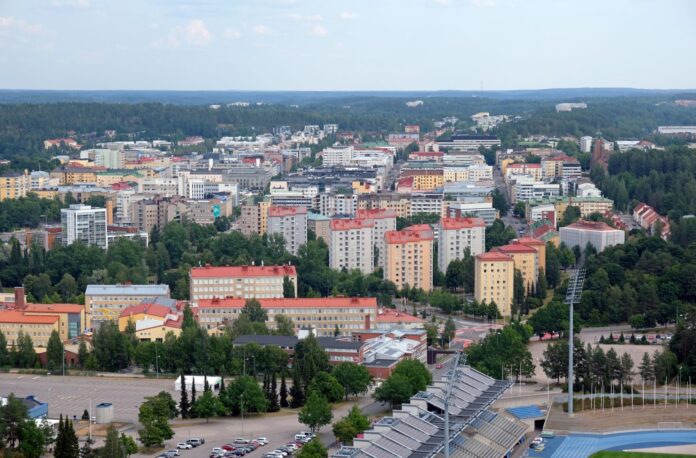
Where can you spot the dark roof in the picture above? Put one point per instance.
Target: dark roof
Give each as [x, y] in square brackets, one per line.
[473, 137]
[30, 402]
[330, 342]
[279, 341]
[382, 363]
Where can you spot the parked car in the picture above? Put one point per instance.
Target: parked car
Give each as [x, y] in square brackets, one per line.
[218, 450]
[183, 446]
[282, 453]
[173, 452]
[228, 447]
[195, 442]
[262, 440]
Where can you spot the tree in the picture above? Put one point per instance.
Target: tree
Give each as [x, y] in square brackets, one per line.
[82, 354]
[244, 395]
[309, 360]
[454, 277]
[354, 378]
[31, 439]
[273, 405]
[327, 386]
[313, 449]
[184, 402]
[26, 356]
[297, 398]
[449, 330]
[570, 215]
[555, 362]
[316, 412]
[208, 405]
[397, 389]
[112, 444]
[625, 367]
[13, 414]
[351, 425]
[154, 415]
[128, 444]
[646, 369]
[111, 347]
[283, 392]
[254, 312]
[418, 375]
[518, 292]
[288, 287]
[4, 352]
[284, 326]
[54, 352]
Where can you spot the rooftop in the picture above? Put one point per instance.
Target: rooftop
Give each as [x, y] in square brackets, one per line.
[529, 241]
[286, 211]
[516, 248]
[12, 316]
[148, 309]
[386, 315]
[56, 308]
[243, 271]
[449, 224]
[350, 224]
[493, 256]
[411, 234]
[590, 226]
[375, 213]
[135, 290]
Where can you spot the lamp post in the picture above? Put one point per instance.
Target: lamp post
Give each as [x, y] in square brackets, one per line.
[156, 362]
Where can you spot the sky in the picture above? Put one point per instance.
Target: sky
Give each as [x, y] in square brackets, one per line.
[347, 44]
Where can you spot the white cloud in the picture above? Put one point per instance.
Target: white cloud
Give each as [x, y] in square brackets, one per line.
[70, 3]
[349, 15]
[307, 18]
[319, 31]
[231, 33]
[483, 3]
[262, 30]
[444, 2]
[194, 33]
[10, 23]
[197, 33]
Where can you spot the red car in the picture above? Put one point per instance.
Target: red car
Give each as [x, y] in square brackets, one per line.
[438, 366]
[228, 447]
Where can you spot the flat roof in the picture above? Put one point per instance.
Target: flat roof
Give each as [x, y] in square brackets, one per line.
[315, 302]
[135, 290]
[13, 316]
[243, 271]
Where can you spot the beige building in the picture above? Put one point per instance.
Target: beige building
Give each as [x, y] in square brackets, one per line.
[106, 302]
[538, 245]
[291, 224]
[409, 257]
[495, 280]
[39, 328]
[323, 314]
[525, 259]
[455, 236]
[384, 220]
[254, 218]
[239, 281]
[71, 317]
[14, 185]
[399, 203]
[320, 225]
[351, 244]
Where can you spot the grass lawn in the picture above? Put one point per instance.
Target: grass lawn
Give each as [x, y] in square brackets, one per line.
[636, 455]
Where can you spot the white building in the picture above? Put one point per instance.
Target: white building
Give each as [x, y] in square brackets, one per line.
[598, 234]
[539, 212]
[331, 204]
[291, 223]
[586, 144]
[111, 159]
[351, 244]
[83, 223]
[588, 190]
[455, 236]
[384, 220]
[261, 282]
[527, 188]
[337, 155]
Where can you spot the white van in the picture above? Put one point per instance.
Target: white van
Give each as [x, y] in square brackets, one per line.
[301, 438]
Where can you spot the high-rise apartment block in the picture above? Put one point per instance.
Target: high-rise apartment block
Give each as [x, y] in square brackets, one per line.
[85, 224]
[455, 236]
[351, 244]
[384, 220]
[291, 223]
[494, 273]
[409, 257]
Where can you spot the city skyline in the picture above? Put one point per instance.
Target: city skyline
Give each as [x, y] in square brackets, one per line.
[357, 45]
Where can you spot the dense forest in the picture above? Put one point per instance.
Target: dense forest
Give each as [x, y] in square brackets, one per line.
[666, 180]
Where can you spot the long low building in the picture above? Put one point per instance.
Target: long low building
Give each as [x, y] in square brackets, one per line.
[106, 302]
[38, 327]
[322, 313]
[597, 233]
[263, 282]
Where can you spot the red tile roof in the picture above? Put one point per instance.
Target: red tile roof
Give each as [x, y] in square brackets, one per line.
[392, 316]
[591, 226]
[461, 223]
[376, 213]
[493, 256]
[348, 224]
[57, 308]
[16, 317]
[319, 302]
[243, 271]
[529, 241]
[411, 234]
[516, 248]
[147, 309]
[286, 211]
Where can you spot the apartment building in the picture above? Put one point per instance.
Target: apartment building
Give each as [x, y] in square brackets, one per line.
[254, 218]
[455, 236]
[538, 245]
[526, 260]
[494, 280]
[515, 170]
[524, 188]
[479, 208]
[351, 244]
[319, 224]
[424, 179]
[427, 202]
[399, 203]
[85, 224]
[409, 257]
[14, 185]
[291, 224]
[598, 234]
[239, 281]
[471, 143]
[323, 314]
[39, 328]
[106, 302]
[384, 220]
[337, 155]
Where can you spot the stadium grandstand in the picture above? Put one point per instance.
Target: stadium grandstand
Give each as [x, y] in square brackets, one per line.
[417, 430]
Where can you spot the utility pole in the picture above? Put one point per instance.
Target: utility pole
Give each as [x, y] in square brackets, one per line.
[452, 380]
[572, 297]
[157, 362]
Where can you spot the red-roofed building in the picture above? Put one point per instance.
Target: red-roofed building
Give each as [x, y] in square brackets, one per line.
[538, 245]
[152, 320]
[38, 327]
[647, 218]
[436, 156]
[494, 280]
[597, 233]
[351, 243]
[409, 257]
[456, 236]
[405, 184]
[290, 223]
[244, 282]
[526, 261]
[388, 319]
[72, 320]
[533, 170]
[324, 313]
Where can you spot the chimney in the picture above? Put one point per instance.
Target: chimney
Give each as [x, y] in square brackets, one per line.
[367, 321]
[20, 301]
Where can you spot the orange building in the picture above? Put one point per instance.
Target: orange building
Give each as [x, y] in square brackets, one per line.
[409, 257]
[494, 280]
[525, 259]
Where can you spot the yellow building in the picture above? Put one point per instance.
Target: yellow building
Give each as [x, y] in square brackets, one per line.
[539, 246]
[399, 203]
[504, 165]
[14, 185]
[72, 175]
[363, 187]
[409, 257]
[106, 179]
[494, 280]
[157, 333]
[71, 317]
[152, 321]
[455, 174]
[46, 193]
[525, 259]
[39, 328]
[263, 216]
[106, 302]
[426, 180]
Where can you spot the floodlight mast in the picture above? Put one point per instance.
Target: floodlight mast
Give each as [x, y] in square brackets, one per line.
[450, 384]
[573, 294]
